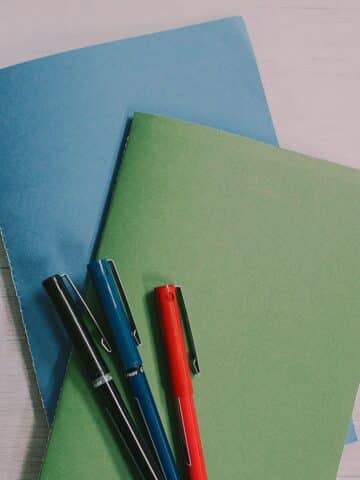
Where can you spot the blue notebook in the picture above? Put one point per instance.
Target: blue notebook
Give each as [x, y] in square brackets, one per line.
[62, 124]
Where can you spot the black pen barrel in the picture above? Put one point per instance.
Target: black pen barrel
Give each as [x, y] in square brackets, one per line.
[79, 334]
[126, 428]
[98, 373]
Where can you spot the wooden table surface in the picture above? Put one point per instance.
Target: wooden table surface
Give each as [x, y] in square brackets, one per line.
[308, 55]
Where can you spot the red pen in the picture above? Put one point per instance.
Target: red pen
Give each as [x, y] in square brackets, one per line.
[171, 306]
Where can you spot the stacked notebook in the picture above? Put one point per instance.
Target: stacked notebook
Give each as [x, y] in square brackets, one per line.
[264, 242]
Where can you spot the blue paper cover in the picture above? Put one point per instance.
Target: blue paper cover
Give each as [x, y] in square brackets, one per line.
[62, 124]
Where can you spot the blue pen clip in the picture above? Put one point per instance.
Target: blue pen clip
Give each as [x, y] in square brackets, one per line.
[116, 309]
[125, 301]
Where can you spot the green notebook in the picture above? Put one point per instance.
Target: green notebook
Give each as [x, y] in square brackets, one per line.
[265, 243]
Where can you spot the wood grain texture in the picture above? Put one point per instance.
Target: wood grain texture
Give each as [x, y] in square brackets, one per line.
[307, 53]
[24, 430]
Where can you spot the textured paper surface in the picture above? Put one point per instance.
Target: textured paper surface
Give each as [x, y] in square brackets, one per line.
[351, 436]
[61, 127]
[265, 244]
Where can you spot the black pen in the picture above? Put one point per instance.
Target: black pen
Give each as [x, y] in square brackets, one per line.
[99, 375]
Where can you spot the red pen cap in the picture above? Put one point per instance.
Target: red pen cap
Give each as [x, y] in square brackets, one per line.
[170, 319]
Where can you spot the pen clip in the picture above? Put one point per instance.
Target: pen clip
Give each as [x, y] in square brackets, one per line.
[103, 340]
[193, 357]
[125, 301]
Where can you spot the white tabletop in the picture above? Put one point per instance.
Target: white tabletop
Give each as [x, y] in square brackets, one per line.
[308, 55]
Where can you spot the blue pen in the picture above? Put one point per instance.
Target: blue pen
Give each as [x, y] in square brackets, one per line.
[126, 339]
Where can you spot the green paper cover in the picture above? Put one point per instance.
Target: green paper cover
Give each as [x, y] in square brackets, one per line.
[265, 243]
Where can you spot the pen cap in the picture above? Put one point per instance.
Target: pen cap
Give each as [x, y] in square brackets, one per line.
[74, 325]
[174, 340]
[108, 293]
